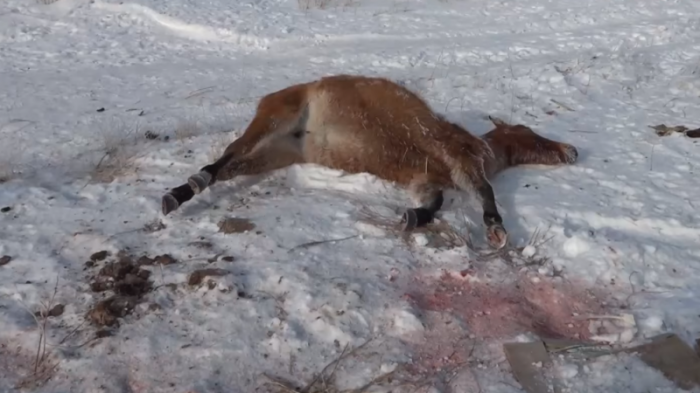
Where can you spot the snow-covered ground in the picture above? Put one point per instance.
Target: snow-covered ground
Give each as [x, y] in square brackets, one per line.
[83, 78]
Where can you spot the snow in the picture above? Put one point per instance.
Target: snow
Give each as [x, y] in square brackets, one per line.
[593, 73]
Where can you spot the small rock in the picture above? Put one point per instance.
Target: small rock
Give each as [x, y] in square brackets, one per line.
[197, 276]
[228, 259]
[165, 259]
[145, 261]
[144, 274]
[57, 310]
[5, 209]
[204, 245]
[5, 260]
[235, 225]
[102, 333]
[99, 256]
[89, 264]
[100, 286]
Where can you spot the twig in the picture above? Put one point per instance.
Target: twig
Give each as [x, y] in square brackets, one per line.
[568, 108]
[584, 131]
[316, 243]
[289, 387]
[46, 319]
[376, 380]
[342, 356]
[634, 290]
[199, 92]
[96, 168]
[512, 93]
[72, 332]
[280, 383]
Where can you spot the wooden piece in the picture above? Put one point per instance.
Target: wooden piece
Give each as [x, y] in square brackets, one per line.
[674, 358]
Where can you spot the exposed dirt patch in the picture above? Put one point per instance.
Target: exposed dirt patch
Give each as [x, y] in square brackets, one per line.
[19, 368]
[235, 225]
[165, 259]
[198, 276]
[106, 312]
[99, 256]
[127, 282]
[5, 260]
[154, 226]
[124, 277]
[145, 261]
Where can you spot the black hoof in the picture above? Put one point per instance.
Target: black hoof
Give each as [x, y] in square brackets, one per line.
[570, 154]
[414, 218]
[199, 182]
[497, 236]
[409, 220]
[169, 204]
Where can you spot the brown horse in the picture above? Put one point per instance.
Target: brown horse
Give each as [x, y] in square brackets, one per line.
[366, 124]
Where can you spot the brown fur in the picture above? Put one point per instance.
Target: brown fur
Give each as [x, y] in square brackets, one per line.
[372, 125]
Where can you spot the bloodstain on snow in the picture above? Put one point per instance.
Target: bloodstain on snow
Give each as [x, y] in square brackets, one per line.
[501, 310]
[467, 319]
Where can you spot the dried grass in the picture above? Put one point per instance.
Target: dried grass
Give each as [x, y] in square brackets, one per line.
[220, 142]
[34, 372]
[120, 148]
[11, 156]
[324, 381]
[326, 4]
[187, 128]
[440, 233]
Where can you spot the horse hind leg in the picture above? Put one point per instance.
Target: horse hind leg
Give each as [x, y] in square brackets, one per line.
[177, 196]
[226, 168]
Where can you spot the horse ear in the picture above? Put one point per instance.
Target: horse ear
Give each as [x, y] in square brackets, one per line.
[496, 121]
